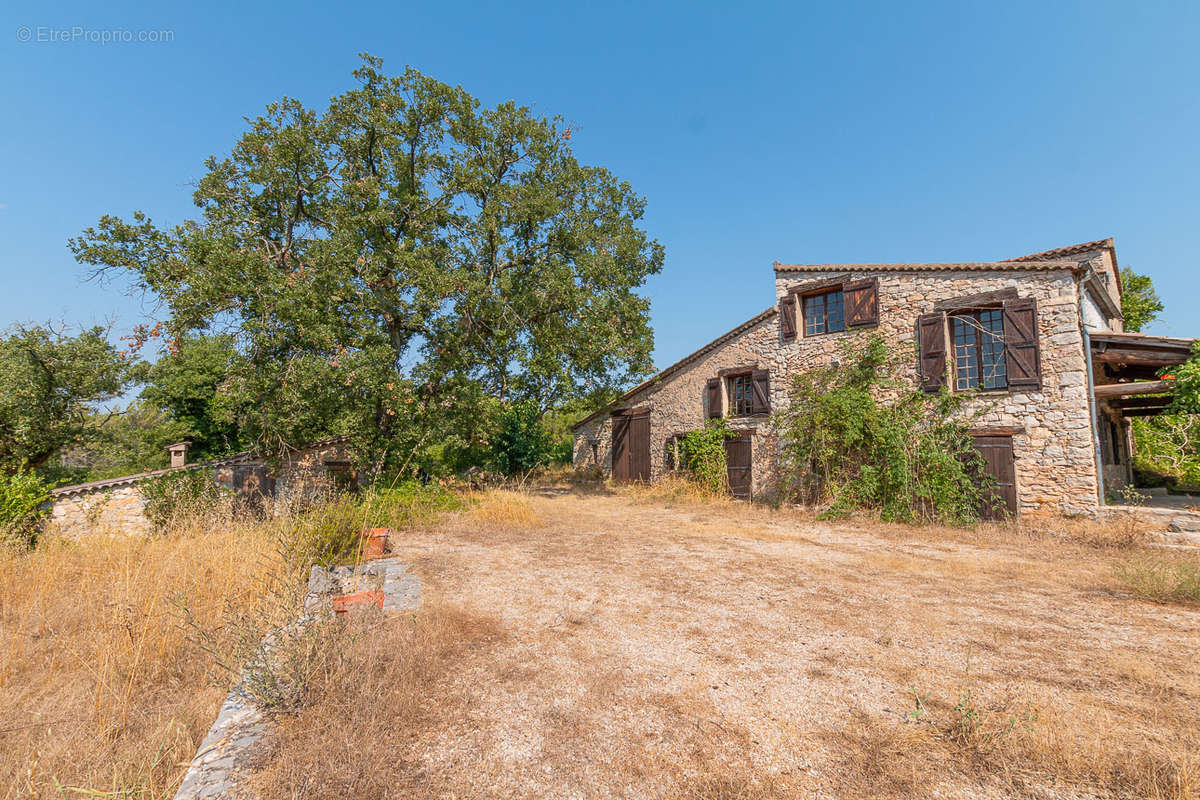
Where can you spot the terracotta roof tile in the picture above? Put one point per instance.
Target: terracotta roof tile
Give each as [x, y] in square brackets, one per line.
[966, 266]
[1069, 250]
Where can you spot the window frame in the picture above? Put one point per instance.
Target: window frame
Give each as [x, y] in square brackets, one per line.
[999, 356]
[823, 294]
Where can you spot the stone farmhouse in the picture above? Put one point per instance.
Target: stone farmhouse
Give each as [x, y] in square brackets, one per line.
[1036, 339]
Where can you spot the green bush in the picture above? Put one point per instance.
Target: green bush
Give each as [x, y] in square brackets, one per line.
[178, 494]
[702, 454]
[23, 506]
[856, 437]
[1166, 450]
[522, 442]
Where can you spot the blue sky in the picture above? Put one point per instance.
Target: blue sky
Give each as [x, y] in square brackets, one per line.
[831, 132]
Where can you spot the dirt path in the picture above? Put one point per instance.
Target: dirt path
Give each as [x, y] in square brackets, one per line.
[653, 650]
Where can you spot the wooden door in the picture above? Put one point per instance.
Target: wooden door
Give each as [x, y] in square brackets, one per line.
[631, 445]
[999, 464]
[738, 465]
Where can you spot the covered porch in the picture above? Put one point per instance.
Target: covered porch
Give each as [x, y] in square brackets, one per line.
[1126, 384]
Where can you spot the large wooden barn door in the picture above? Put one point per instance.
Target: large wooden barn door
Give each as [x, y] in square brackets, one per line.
[738, 465]
[997, 452]
[631, 445]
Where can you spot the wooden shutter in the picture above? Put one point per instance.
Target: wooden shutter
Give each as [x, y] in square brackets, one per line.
[787, 317]
[862, 302]
[713, 391]
[761, 381]
[1021, 344]
[931, 337]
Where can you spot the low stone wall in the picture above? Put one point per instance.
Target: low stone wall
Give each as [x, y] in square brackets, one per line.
[227, 750]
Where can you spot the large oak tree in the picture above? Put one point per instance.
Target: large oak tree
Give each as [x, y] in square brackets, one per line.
[391, 262]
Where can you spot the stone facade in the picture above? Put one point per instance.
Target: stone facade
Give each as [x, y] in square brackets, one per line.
[1054, 444]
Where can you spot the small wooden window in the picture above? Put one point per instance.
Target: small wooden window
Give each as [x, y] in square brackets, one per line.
[824, 313]
[741, 395]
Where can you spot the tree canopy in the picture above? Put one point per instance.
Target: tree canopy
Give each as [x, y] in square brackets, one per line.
[50, 383]
[196, 383]
[385, 264]
[1139, 302]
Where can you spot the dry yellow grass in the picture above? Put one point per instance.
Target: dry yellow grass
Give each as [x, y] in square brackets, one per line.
[99, 687]
[641, 645]
[505, 509]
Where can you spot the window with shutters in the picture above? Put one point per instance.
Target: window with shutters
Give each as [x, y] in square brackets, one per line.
[824, 313]
[748, 391]
[979, 356]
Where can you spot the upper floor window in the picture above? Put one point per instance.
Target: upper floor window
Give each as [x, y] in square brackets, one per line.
[979, 360]
[741, 395]
[824, 313]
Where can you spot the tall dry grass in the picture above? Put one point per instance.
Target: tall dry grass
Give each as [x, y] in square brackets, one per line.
[505, 509]
[116, 651]
[100, 688]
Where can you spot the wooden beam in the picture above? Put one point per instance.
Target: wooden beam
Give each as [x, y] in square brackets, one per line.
[1143, 412]
[1141, 402]
[1130, 389]
[1154, 358]
[975, 300]
[822, 285]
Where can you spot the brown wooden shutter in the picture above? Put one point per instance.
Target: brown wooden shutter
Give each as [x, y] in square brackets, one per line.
[1021, 344]
[762, 391]
[931, 336]
[787, 317]
[713, 390]
[862, 302]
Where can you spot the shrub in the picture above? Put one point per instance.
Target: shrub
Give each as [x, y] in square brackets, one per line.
[522, 443]
[1167, 446]
[187, 493]
[23, 498]
[702, 454]
[856, 438]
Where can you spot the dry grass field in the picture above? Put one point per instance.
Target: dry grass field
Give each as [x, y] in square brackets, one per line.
[100, 689]
[631, 643]
[638, 643]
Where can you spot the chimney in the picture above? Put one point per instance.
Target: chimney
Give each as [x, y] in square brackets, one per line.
[178, 453]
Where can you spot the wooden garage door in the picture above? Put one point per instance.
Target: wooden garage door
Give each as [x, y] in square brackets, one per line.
[997, 452]
[631, 445]
[738, 465]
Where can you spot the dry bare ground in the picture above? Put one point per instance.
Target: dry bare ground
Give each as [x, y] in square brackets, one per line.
[641, 644]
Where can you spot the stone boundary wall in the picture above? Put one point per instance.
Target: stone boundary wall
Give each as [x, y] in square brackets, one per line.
[1053, 445]
[220, 762]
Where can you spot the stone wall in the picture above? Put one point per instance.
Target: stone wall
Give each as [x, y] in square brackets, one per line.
[306, 472]
[106, 510]
[1055, 458]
